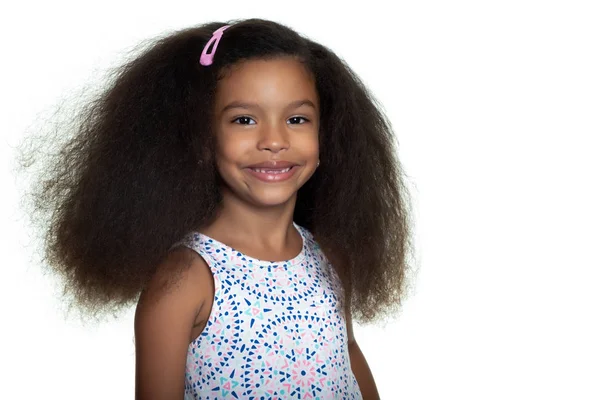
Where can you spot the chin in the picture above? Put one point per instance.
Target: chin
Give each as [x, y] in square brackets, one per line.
[273, 199]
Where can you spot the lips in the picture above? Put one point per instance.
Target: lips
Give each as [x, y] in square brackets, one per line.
[273, 165]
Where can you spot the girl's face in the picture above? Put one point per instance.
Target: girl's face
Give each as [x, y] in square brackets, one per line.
[266, 110]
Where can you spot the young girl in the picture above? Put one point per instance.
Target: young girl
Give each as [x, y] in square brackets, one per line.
[237, 182]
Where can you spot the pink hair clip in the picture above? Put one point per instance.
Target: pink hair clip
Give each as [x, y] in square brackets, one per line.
[205, 57]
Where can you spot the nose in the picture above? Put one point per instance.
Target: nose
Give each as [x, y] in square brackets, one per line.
[274, 136]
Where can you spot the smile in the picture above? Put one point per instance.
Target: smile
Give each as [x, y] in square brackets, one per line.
[271, 171]
[272, 175]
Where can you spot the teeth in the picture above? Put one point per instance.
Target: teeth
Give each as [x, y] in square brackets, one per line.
[272, 171]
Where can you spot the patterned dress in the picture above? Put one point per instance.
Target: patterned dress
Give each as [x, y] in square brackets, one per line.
[276, 329]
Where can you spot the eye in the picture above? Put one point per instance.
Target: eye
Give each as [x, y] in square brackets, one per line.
[244, 121]
[296, 120]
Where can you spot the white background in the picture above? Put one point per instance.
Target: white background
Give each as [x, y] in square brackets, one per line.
[497, 109]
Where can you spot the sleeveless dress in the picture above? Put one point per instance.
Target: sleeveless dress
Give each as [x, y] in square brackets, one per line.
[276, 329]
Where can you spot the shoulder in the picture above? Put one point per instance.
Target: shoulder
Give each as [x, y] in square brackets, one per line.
[181, 284]
[164, 318]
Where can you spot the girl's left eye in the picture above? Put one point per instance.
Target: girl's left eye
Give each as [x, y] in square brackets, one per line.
[296, 120]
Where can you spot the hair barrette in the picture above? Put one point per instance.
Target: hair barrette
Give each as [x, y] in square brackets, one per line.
[206, 58]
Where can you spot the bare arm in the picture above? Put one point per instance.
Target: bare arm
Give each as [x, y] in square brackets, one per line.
[359, 365]
[164, 318]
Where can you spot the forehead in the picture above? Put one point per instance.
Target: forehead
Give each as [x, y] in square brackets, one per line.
[272, 81]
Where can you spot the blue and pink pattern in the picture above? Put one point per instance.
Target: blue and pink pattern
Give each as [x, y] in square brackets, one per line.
[276, 329]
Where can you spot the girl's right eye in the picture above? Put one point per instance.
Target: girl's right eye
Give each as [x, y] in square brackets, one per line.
[244, 121]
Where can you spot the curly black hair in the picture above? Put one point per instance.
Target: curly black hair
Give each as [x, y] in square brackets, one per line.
[138, 172]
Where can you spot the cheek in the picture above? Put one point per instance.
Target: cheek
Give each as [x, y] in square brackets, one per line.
[309, 146]
[231, 150]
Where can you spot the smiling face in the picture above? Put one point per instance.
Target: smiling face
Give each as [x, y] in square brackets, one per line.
[266, 110]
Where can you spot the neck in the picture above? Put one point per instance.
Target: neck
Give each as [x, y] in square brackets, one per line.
[260, 227]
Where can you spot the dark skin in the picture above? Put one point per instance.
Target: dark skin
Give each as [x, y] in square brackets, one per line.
[264, 110]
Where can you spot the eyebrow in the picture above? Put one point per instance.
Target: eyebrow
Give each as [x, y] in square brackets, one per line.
[294, 104]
